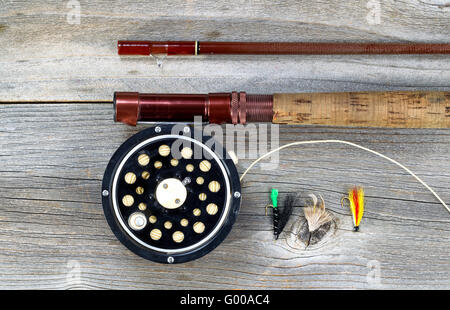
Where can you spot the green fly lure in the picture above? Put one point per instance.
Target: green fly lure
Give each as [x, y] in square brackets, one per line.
[280, 217]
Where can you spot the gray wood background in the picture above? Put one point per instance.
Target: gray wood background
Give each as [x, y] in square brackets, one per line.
[57, 135]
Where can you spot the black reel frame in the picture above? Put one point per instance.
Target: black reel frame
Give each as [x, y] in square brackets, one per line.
[139, 242]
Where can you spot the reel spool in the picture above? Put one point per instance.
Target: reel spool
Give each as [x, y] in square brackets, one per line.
[168, 197]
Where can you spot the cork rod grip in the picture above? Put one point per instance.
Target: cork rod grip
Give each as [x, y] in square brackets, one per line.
[413, 109]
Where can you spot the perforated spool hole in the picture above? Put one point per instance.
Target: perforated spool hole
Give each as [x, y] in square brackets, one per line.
[174, 162]
[214, 186]
[142, 206]
[178, 236]
[139, 190]
[145, 175]
[212, 209]
[189, 168]
[167, 225]
[184, 222]
[202, 196]
[130, 178]
[164, 150]
[143, 159]
[205, 165]
[156, 234]
[158, 164]
[127, 200]
[152, 219]
[199, 227]
[197, 212]
[200, 180]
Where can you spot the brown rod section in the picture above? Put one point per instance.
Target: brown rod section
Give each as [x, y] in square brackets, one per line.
[276, 48]
[409, 109]
[131, 108]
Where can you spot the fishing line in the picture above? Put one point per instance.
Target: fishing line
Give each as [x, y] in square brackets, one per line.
[354, 145]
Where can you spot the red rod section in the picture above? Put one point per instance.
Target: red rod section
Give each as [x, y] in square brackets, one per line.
[218, 108]
[276, 48]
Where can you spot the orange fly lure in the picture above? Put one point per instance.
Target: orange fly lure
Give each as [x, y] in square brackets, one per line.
[356, 201]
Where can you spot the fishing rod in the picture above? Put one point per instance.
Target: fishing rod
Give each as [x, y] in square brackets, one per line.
[392, 109]
[276, 48]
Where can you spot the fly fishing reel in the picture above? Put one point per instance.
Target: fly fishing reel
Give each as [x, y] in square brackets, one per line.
[169, 196]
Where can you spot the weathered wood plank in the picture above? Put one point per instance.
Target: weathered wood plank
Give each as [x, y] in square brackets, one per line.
[52, 156]
[46, 58]
[52, 161]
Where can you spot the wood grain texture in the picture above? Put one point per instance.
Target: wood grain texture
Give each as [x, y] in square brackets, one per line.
[52, 155]
[52, 161]
[417, 109]
[44, 58]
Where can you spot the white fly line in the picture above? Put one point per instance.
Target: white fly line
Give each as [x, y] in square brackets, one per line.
[351, 144]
